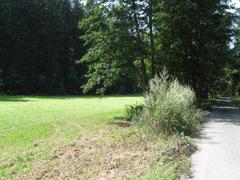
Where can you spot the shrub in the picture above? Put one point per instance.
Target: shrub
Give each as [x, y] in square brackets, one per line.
[169, 107]
[133, 112]
[205, 104]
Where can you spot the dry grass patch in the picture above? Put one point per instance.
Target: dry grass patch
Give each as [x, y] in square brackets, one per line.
[112, 153]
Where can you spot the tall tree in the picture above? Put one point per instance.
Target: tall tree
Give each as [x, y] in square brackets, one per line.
[196, 41]
[40, 42]
[111, 54]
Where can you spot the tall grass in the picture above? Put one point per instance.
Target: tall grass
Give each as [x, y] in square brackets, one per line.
[169, 107]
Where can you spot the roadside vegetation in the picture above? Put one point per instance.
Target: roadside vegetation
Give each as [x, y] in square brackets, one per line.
[169, 110]
[50, 137]
[236, 100]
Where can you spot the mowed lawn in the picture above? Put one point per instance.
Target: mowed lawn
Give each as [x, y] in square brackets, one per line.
[33, 128]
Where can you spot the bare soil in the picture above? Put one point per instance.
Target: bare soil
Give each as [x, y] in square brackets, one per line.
[112, 153]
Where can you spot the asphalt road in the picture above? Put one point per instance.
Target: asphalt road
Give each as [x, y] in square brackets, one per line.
[218, 155]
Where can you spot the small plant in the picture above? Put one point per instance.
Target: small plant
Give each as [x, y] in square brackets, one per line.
[177, 146]
[205, 104]
[133, 112]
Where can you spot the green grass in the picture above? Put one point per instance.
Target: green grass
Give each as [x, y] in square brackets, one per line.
[32, 128]
[168, 170]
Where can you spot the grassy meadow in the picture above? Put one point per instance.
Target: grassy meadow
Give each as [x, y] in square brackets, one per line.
[33, 128]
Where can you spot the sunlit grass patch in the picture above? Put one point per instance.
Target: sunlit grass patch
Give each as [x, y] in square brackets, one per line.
[33, 127]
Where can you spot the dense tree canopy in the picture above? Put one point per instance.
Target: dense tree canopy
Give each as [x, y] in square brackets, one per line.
[117, 46]
[190, 38]
[39, 45]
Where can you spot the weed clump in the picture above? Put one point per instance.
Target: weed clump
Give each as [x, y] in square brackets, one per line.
[169, 107]
[177, 146]
[133, 112]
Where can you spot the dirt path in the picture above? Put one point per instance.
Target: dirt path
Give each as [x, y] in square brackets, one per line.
[218, 157]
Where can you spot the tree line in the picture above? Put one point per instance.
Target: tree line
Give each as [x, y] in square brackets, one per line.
[39, 46]
[117, 46]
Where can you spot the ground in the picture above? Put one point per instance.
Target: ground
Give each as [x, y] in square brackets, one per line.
[84, 138]
[218, 155]
[32, 128]
[112, 153]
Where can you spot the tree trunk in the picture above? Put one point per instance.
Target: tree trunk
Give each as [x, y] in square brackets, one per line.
[150, 15]
[140, 49]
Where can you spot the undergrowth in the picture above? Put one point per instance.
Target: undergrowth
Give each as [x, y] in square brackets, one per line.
[170, 110]
[173, 161]
[236, 101]
[169, 107]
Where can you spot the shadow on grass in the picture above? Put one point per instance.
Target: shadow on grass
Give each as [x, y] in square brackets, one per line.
[13, 99]
[85, 96]
[64, 97]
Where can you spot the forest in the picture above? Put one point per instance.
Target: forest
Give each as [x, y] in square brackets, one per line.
[67, 47]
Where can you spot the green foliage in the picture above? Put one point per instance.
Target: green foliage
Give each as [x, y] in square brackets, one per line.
[122, 44]
[39, 46]
[195, 37]
[205, 104]
[190, 38]
[169, 107]
[110, 58]
[234, 68]
[236, 101]
[134, 112]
